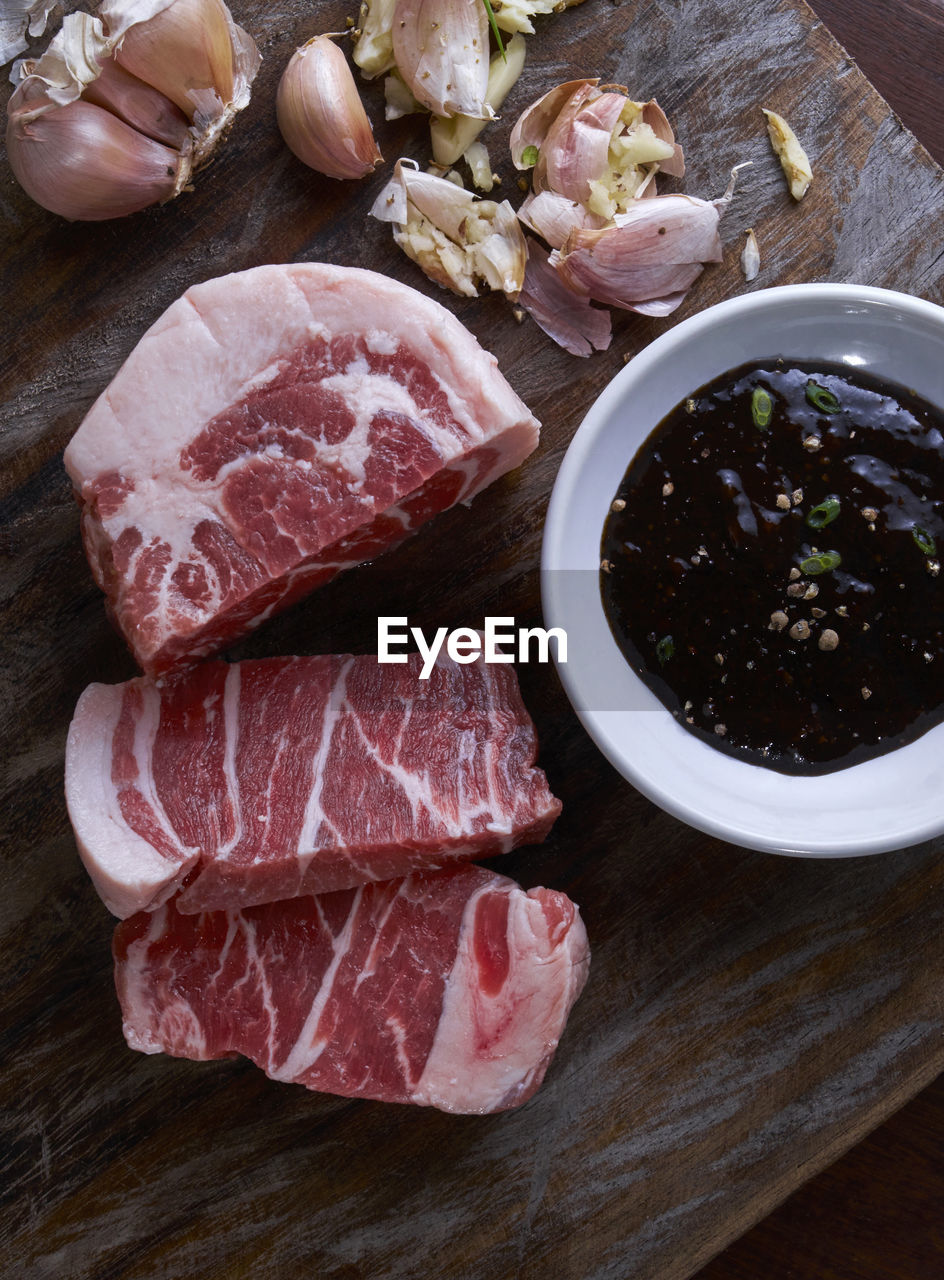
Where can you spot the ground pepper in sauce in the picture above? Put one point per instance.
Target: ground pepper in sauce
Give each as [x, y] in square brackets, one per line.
[771, 565]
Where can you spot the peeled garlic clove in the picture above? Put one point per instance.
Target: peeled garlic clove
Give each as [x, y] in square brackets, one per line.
[82, 162]
[192, 51]
[457, 239]
[793, 159]
[750, 257]
[441, 51]
[139, 105]
[451, 138]
[516, 15]
[564, 316]
[373, 51]
[649, 258]
[321, 115]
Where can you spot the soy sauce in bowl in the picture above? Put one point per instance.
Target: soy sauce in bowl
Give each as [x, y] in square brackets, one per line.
[770, 565]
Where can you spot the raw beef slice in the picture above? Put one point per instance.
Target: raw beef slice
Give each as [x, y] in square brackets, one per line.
[252, 781]
[449, 989]
[274, 427]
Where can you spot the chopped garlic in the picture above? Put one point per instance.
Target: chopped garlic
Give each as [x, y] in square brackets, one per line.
[516, 15]
[476, 157]
[793, 159]
[373, 51]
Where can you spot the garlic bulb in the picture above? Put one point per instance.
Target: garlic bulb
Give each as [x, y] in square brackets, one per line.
[459, 241]
[321, 115]
[123, 105]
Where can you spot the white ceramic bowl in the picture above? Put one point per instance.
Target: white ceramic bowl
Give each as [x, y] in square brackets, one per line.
[892, 801]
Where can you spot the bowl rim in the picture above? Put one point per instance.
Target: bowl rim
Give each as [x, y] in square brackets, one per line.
[599, 724]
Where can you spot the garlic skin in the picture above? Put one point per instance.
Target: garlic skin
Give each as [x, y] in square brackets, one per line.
[750, 256]
[169, 73]
[566, 317]
[441, 51]
[320, 113]
[82, 162]
[647, 258]
[793, 159]
[16, 18]
[452, 138]
[598, 152]
[460, 241]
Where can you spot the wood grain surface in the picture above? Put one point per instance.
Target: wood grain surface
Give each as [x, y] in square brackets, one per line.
[747, 1018]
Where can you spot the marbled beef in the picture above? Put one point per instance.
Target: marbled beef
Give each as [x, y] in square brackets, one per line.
[274, 427]
[448, 990]
[266, 779]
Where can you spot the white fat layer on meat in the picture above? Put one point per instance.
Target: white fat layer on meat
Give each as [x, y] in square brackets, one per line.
[230, 336]
[128, 872]
[231, 690]
[520, 1025]
[315, 820]
[309, 1046]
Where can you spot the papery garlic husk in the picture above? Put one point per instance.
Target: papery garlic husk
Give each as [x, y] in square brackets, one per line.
[460, 241]
[18, 16]
[451, 138]
[320, 113]
[793, 159]
[82, 162]
[649, 257]
[134, 62]
[373, 49]
[441, 51]
[568, 318]
[750, 256]
[597, 150]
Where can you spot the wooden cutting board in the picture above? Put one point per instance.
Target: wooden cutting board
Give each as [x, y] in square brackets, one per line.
[747, 1017]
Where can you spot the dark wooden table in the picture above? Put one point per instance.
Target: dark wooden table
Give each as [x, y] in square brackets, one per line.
[877, 1213]
[747, 1019]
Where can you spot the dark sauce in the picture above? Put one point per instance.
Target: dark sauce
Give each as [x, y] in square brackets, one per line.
[720, 578]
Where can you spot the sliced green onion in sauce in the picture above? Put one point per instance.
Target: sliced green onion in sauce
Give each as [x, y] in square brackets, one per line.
[664, 649]
[822, 399]
[924, 540]
[824, 514]
[529, 156]
[762, 408]
[823, 562]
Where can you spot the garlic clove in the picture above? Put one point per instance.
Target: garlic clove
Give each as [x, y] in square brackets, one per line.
[441, 51]
[457, 239]
[138, 104]
[373, 51]
[594, 152]
[320, 113]
[516, 15]
[192, 51]
[553, 216]
[750, 256]
[793, 159]
[82, 162]
[451, 138]
[564, 316]
[651, 255]
[398, 101]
